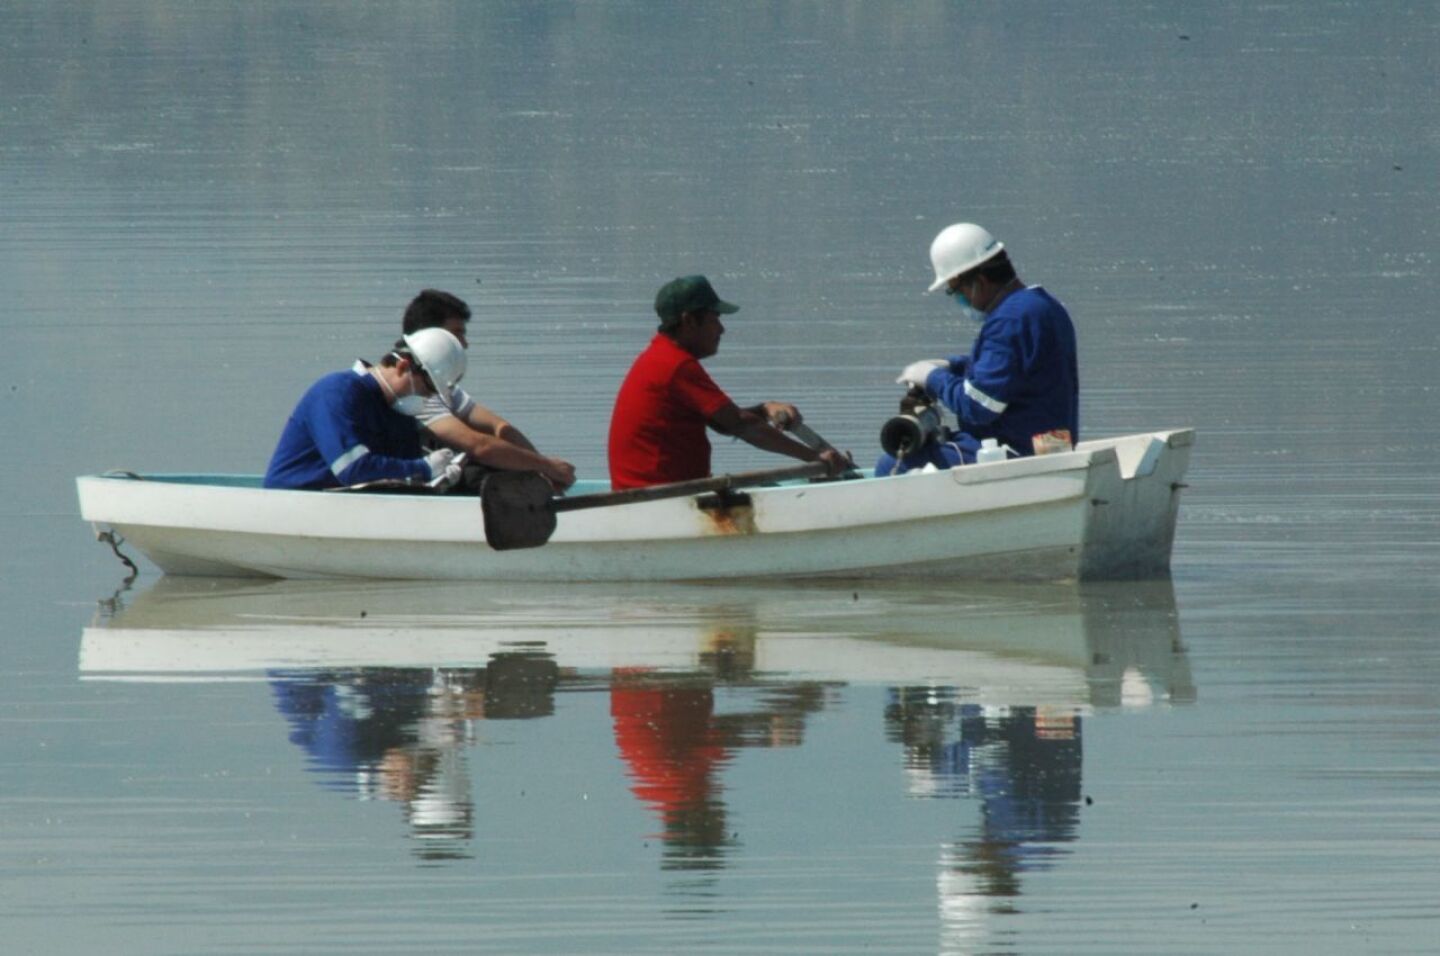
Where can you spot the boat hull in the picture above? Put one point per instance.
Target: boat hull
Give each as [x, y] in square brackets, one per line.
[1106, 510]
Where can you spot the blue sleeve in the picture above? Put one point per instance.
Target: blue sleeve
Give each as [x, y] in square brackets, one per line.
[346, 433]
[978, 389]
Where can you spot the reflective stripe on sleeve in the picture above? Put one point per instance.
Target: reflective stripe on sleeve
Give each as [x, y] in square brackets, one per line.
[348, 459]
[980, 398]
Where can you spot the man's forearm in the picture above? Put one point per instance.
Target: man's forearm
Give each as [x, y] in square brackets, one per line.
[514, 436]
[766, 438]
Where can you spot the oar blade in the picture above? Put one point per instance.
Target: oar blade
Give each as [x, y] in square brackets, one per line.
[516, 508]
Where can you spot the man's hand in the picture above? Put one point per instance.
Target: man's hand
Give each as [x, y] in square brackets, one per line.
[444, 468]
[560, 474]
[916, 373]
[782, 415]
[837, 463]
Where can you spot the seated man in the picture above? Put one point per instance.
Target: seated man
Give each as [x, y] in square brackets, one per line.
[657, 430]
[457, 421]
[1020, 381]
[356, 426]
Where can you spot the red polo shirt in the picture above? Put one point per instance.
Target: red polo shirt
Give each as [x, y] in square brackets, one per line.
[657, 430]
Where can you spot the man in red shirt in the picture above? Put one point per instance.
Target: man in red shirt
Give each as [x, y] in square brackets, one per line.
[657, 430]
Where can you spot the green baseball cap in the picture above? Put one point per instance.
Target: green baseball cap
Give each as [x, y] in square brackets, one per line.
[688, 294]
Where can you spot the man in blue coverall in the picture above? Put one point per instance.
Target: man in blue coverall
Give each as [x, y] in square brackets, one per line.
[1020, 381]
[356, 426]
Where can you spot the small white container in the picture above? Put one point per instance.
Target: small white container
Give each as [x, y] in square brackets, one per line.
[990, 450]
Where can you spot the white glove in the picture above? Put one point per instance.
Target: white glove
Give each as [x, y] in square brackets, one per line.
[444, 468]
[916, 372]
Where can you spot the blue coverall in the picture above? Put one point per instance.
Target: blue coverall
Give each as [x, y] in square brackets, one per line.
[1020, 379]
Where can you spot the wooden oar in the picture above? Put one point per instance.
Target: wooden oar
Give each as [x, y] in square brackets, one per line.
[807, 435]
[519, 507]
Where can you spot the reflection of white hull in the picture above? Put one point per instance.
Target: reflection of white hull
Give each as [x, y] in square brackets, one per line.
[1106, 510]
[1026, 644]
[156, 654]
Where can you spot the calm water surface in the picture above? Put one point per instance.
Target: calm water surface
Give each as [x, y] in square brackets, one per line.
[208, 205]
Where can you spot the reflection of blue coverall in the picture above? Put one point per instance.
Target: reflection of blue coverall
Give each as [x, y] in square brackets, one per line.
[1029, 784]
[1021, 378]
[346, 722]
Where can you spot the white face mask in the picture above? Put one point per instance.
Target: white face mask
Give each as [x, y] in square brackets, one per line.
[409, 404]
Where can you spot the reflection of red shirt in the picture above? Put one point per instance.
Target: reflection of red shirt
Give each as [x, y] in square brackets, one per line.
[657, 431]
[665, 732]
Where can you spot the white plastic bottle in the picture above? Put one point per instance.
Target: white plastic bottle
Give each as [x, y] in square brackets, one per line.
[990, 450]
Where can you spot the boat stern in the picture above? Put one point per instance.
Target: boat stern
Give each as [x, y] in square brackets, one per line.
[1134, 506]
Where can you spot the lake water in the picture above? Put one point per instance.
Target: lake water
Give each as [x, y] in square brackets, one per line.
[208, 205]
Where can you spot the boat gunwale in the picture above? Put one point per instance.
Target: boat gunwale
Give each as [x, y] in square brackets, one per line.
[191, 505]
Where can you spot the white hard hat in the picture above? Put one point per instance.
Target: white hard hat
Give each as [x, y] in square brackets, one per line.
[958, 249]
[440, 356]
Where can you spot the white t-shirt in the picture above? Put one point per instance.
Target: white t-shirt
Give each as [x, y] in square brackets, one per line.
[435, 409]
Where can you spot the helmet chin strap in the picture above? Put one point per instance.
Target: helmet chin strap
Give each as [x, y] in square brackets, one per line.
[380, 377]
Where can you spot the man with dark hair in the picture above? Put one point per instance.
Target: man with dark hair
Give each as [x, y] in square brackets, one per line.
[432, 309]
[462, 423]
[1020, 384]
[657, 430]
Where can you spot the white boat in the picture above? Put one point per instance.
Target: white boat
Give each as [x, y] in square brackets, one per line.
[1106, 510]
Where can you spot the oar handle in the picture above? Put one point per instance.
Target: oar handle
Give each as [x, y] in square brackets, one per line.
[808, 435]
[683, 489]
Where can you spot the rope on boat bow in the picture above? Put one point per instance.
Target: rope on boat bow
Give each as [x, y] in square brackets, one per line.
[114, 540]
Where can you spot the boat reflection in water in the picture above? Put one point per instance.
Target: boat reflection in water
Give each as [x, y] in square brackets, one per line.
[383, 685]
